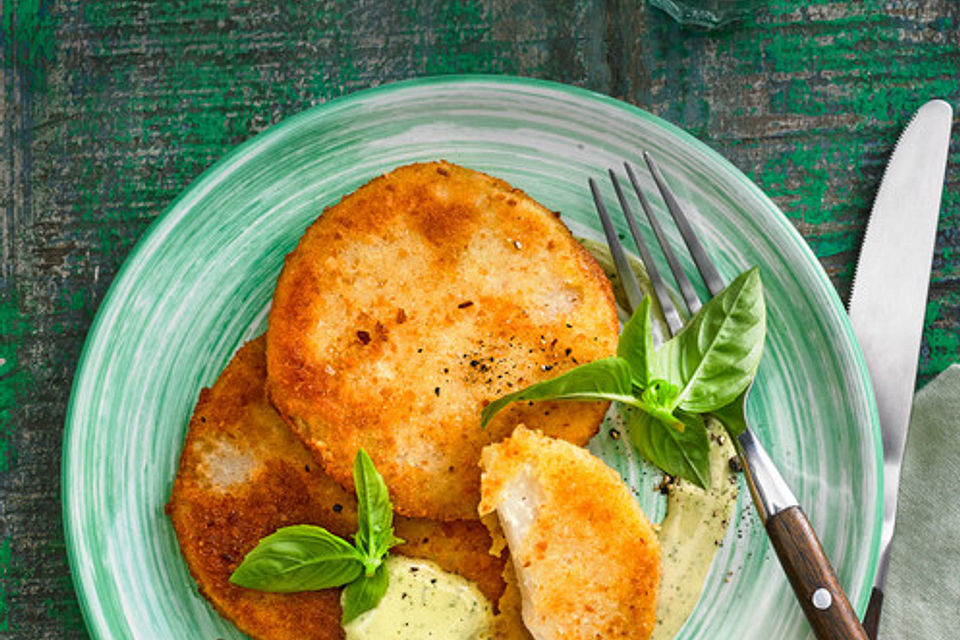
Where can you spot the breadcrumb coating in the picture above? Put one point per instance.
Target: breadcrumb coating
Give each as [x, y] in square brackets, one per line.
[414, 302]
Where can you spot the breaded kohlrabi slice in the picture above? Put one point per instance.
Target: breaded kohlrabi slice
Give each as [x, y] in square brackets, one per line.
[243, 474]
[413, 303]
[587, 558]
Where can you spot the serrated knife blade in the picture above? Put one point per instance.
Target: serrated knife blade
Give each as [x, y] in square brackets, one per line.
[889, 296]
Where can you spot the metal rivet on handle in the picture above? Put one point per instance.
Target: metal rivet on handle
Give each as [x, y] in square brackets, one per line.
[822, 599]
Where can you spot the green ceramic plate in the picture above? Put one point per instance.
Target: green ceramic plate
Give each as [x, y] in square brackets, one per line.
[199, 284]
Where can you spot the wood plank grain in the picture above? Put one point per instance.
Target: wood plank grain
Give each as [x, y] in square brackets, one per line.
[109, 109]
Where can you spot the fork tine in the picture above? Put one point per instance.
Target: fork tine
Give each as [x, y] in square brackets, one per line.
[686, 287]
[627, 277]
[670, 313]
[707, 271]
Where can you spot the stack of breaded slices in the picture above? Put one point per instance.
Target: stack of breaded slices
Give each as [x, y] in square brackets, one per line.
[404, 310]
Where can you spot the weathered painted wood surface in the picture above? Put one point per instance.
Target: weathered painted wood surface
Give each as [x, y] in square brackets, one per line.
[109, 109]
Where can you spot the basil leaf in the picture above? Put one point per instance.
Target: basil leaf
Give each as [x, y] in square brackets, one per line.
[658, 400]
[636, 343]
[299, 558]
[720, 348]
[733, 415]
[374, 535]
[667, 362]
[606, 379]
[680, 453]
[364, 594]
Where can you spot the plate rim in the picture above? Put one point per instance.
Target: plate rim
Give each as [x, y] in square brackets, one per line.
[210, 176]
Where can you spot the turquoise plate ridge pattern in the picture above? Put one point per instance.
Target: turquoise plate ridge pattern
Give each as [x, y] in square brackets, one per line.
[199, 284]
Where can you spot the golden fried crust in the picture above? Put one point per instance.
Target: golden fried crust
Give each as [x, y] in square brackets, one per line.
[243, 475]
[508, 623]
[586, 530]
[413, 303]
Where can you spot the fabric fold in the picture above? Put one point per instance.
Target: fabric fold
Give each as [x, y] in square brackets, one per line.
[922, 598]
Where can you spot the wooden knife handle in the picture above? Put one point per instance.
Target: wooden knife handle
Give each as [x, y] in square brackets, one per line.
[871, 619]
[812, 578]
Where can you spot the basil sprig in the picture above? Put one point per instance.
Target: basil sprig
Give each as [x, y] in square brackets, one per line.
[705, 368]
[374, 535]
[308, 558]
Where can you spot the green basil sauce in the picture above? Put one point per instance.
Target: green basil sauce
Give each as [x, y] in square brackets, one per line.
[422, 602]
[691, 533]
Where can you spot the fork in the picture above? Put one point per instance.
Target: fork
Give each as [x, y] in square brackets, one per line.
[809, 571]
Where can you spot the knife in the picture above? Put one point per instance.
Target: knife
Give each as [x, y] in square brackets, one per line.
[889, 297]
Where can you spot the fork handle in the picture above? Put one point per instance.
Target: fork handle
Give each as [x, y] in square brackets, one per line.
[812, 577]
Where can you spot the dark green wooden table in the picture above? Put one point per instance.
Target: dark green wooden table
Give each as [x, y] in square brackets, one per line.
[109, 109]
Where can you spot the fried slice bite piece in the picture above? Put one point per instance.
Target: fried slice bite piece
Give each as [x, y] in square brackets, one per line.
[413, 303]
[508, 623]
[243, 475]
[587, 559]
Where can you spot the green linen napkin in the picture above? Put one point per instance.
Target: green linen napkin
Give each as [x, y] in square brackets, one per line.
[922, 596]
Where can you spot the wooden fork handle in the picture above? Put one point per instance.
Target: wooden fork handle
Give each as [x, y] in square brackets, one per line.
[812, 578]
